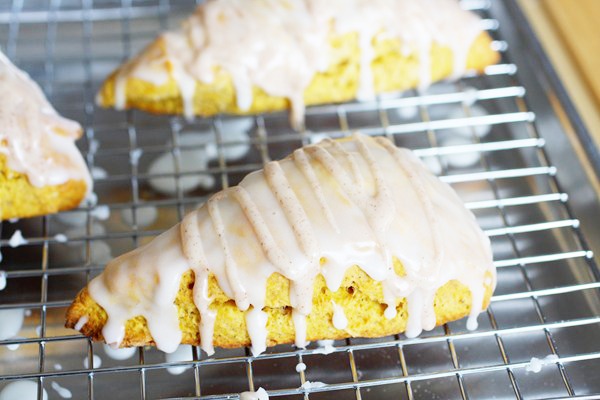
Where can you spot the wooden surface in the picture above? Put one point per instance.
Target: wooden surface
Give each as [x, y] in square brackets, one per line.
[570, 33]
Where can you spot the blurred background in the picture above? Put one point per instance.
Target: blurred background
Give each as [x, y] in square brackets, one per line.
[570, 35]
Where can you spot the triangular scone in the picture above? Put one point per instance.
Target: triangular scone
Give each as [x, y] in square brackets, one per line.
[350, 238]
[256, 56]
[41, 169]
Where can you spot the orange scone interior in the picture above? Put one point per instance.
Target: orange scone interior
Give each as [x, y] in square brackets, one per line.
[259, 56]
[349, 238]
[41, 169]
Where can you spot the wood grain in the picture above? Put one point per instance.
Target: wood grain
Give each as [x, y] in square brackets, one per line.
[578, 22]
[572, 50]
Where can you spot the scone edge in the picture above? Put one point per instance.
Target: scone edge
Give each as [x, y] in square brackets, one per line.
[392, 71]
[363, 308]
[20, 199]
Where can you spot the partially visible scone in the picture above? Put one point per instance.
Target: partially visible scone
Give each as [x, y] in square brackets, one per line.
[272, 55]
[41, 169]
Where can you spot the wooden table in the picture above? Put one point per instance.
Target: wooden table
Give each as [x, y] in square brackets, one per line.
[570, 33]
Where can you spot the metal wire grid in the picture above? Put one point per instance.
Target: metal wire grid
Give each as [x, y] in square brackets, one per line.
[546, 302]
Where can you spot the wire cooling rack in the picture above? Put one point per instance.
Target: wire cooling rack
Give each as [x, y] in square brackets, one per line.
[477, 134]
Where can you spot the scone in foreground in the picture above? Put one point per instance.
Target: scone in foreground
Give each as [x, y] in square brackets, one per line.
[350, 238]
[41, 169]
[258, 56]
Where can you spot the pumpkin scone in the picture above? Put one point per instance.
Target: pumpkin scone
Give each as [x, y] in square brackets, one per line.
[345, 238]
[41, 169]
[253, 56]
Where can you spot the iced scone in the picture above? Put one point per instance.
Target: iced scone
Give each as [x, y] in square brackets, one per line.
[41, 169]
[253, 56]
[348, 238]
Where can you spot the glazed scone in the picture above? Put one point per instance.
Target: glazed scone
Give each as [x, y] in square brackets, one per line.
[349, 238]
[254, 56]
[41, 169]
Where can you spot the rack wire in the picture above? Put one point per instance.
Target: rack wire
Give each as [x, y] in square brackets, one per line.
[477, 134]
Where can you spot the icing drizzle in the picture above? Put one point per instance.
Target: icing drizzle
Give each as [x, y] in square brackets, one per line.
[35, 139]
[353, 202]
[279, 45]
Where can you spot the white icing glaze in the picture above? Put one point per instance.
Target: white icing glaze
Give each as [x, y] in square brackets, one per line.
[22, 390]
[17, 239]
[14, 346]
[101, 212]
[279, 46]
[61, 238]
[119, 354]
[144, 216]
[355, 202]
[81, 322]
[99, 173]
[134, 156]
[11, 322]
[339, 319]
[535, 365]
[256, 321]
[300, 367]
[260, 394]
[325, 347]
[62, 391]
[183, 353]
[35, 139]
[308, 385]
[96, 359]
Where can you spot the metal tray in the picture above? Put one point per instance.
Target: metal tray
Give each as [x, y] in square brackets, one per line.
[523, 164]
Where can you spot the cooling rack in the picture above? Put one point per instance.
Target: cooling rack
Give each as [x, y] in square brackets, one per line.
[494, 138]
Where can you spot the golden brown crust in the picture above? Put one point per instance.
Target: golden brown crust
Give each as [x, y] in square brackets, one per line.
[359, 295]
[20, 199]
[392, 71]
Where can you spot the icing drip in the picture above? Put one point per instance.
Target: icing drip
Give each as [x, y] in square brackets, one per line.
[260, 394]
[35, 139]
[322, 210]
[81, 322]
[256, 321]
[132, 289]
[279, 46]
[339, 318]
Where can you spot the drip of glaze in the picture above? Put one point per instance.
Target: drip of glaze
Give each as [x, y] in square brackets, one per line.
[260, 394]
[62, 391]
[35, 139]
[535, 365]
[2, 280]
[355, 202]
[97, 361]
[279, 46]
[339, 318]
[300, 367]
[81, 323]
[22, 390]
[119, 354]
[61, 238]
[11, 322]
[325, 347]
[256, 322]
[17, 239]
[183, 353]
[308, 385]
[14, 346]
